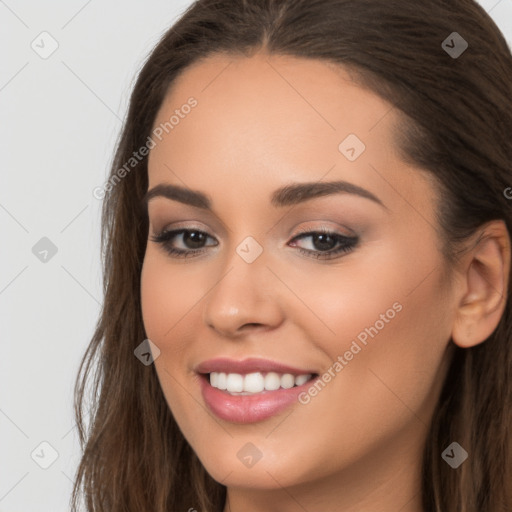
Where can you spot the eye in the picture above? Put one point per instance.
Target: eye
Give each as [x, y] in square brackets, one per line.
[192, 241]
[326, 244]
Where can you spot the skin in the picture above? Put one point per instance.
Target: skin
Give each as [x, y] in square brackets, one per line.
[261, 123]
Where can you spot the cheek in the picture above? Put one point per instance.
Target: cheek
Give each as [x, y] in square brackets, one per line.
[341, 300]
[167, 308]
[415, 343]
[396, 343]
[168, 297]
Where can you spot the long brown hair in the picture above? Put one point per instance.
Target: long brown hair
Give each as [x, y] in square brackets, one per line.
[456, 124]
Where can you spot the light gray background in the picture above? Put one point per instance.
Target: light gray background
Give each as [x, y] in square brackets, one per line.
[59, 121]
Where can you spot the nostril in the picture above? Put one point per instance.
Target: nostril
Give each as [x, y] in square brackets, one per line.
[252, 325]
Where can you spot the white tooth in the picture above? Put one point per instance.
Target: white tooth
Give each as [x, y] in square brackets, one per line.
[272, 381]
[287, 381]
[221, 381]
[301, 379]
[254, 382]
[234, 383]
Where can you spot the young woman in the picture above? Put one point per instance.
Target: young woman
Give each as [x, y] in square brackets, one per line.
[306, 240]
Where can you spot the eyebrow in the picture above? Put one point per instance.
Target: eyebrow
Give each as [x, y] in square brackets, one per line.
[286, 196]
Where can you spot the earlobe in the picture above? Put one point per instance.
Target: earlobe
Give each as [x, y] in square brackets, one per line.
[486, 268]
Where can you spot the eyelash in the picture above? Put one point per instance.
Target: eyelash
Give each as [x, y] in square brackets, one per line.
[347, 243]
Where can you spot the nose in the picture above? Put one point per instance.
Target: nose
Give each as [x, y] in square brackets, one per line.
[243, 299]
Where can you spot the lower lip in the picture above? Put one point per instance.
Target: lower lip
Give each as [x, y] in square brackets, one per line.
[249, 408]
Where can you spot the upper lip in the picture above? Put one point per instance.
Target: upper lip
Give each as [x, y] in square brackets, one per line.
[249, 365]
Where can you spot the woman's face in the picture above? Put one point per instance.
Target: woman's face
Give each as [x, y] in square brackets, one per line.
[266, 298]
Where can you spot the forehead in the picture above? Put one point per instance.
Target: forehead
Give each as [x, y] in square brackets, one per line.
[272, 119]
[276, 93]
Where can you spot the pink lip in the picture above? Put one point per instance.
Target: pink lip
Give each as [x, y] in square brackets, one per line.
[252, 364]
[248, 408]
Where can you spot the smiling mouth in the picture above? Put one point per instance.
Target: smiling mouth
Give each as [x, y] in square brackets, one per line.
[256, 382]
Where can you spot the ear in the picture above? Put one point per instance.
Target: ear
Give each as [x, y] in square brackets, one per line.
[484, 286]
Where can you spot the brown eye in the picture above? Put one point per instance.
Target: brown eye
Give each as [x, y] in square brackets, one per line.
[326, 244]
[192, 241]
